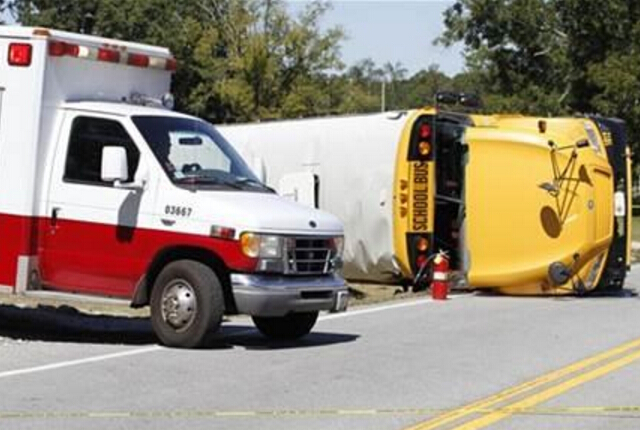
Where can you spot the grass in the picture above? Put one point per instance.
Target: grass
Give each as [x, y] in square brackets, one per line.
[368, 293]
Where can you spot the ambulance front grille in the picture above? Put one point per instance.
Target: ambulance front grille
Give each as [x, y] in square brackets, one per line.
[309, 256]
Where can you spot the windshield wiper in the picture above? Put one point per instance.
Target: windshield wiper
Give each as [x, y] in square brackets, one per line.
[205, 179]
[253, 182]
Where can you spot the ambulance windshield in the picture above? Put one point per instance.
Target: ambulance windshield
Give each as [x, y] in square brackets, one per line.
[194, 154]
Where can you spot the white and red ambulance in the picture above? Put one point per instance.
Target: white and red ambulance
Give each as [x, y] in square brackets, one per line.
[104, 192]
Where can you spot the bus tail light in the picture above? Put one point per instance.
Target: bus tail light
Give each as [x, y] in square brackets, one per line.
[423, 244]
[20, 54]
[424, 148]
[425, 131]
[422, 140]
[419, 249]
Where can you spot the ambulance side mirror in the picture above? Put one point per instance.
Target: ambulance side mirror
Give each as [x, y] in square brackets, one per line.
[115, 168]
[114, 164]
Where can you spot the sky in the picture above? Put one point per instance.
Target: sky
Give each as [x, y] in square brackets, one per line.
[391, 31]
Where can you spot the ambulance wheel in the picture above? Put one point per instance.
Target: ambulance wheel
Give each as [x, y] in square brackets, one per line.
[187, 304]
[288, 327]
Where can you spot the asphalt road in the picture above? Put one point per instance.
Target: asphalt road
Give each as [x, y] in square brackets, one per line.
[475, 361]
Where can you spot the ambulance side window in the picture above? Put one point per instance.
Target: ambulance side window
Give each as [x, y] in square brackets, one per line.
[84, 155]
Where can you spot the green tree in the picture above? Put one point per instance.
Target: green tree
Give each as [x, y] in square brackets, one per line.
[237, 59]
[420, 89]
[552, 56]
[158, 22]
[516, 49]
[394, 73]
[68, 15]
[4, 7]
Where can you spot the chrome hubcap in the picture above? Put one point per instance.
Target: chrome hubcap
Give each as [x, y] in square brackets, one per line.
[179, 304]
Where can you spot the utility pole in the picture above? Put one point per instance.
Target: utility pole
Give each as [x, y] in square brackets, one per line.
[383, 97]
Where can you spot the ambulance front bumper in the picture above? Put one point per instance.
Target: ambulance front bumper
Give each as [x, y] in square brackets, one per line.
[275, 295]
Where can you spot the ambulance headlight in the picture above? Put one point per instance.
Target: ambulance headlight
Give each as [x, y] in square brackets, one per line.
[271, 247]
[261, 245]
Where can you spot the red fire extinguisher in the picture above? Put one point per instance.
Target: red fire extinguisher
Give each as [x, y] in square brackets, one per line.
[440, 284]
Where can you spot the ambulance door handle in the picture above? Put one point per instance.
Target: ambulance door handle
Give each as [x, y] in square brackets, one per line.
[54, 216]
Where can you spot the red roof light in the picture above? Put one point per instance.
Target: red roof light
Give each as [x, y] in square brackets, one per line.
[108, 55]
[19, 54]
[138, 60]
[59, 49]
[171, 65]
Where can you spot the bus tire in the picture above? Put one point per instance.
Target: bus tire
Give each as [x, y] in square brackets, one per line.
[289, 327]
[187, 304]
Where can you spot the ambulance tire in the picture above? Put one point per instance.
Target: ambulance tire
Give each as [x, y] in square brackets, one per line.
[187, 304]
[289, 327]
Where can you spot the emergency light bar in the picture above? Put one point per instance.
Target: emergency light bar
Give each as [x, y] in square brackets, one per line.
[59, 48]
[167, 101]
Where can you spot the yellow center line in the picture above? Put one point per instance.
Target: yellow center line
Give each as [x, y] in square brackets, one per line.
[627, 411]
[525, 387]
[551, 392]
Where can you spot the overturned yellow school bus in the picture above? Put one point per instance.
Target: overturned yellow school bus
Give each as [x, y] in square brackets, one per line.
[522, 205]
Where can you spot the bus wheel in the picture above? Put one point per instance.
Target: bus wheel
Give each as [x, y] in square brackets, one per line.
[187, 304]
[288, 327]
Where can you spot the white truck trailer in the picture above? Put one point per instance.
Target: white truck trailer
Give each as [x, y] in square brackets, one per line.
[344, 165]
[103, 192]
